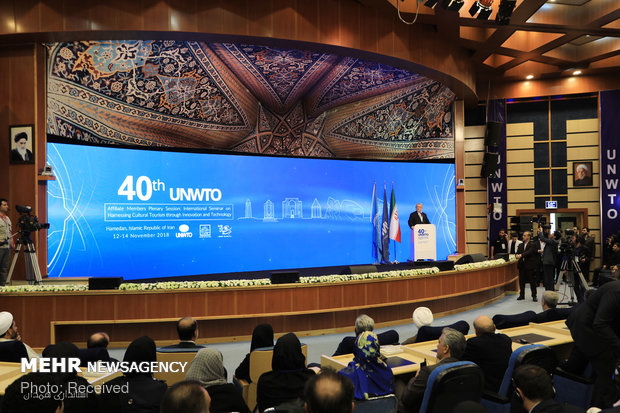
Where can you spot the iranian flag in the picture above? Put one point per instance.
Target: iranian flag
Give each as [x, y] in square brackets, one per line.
[394, 223]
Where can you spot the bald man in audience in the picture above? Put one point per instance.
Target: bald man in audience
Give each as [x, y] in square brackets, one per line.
[329, 392]
[97, 340]
[187, 328]
[490, 351]
[186, 397]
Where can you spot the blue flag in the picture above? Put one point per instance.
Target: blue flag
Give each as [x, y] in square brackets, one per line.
[385, 230]
[374, 220]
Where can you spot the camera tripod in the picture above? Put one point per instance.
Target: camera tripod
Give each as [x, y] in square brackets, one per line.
[33, 272]
[571, 266]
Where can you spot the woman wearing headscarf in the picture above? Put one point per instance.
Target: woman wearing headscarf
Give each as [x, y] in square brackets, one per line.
[288, 377]
[262, 336]
[144, 392]
[207, 368]
[369, 374]
[83, 398]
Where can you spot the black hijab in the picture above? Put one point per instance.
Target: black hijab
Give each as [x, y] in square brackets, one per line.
[262, 336]
[140, 350]
[287, 355]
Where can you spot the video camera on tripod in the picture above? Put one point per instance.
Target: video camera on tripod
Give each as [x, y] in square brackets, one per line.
[27, 223]
[571, 263]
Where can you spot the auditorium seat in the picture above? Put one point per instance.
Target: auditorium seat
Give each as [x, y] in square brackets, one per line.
[171, 377]
[379, 404]
[502, 321]
[13, 351]
[429, 333]
[537, 354]
[451, 383]
[573, 388]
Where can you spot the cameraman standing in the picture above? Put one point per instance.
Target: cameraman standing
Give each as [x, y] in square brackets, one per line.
[6, 242]
[549, 252]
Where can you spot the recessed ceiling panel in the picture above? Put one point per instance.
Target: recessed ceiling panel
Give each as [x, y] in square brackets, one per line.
[477, 34]
[530, 67]
[586, 38]
[613, 25]
[528, 41]
[496, 60]
[609, 62]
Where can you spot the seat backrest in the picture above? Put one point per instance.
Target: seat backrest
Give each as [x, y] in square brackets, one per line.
[451, 383]
[13, 351]
[536, 354]
[379, 404]
[502, 321]
[428, 333]
[171, 377]
[388, 337]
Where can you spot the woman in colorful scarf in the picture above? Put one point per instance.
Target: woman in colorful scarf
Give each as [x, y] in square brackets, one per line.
[369, 374]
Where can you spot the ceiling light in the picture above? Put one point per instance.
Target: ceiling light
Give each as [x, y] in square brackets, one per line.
[528, 77]
[576, 72]
[506, 7]
[483, 8]
[454, 5]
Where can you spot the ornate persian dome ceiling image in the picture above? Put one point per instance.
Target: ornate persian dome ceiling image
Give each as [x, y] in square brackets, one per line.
[244, 98]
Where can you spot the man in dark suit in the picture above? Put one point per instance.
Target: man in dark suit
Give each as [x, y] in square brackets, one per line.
[535, 389]
[490, 351]
[450, 348]
[527, 256]
[549, 251]
[418, 217]
[595, 327]
[187, 328]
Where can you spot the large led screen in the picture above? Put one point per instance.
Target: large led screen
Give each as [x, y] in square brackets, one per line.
[144, 213]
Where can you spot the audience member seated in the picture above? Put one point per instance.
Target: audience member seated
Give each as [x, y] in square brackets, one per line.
[329, 392]
[75, 402]
[422, 317]
[365, 323]
[550, 311]
[207, 368]
[10, 332]
[145, 393]
[370, 375]
[186, 397]
[535, 388]
[288, 377]
[262, 336]
[187, 328]
[18, 396]
[97, 349]
[503, 321]
[610, 262]
[450, 348]
[490, 351]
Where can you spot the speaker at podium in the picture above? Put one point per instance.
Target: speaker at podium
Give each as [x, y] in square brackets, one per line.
[423, 242]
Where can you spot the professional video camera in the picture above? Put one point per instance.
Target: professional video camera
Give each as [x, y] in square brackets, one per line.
[27, 222]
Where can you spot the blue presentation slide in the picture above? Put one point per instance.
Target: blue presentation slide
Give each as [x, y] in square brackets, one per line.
[145, 213]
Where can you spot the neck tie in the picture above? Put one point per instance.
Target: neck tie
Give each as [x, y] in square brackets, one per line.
[512, 247]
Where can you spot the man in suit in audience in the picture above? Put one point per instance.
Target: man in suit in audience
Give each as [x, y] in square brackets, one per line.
[535, 389]
[187, 328]
[329, 392]
[48, 400]
[527, 256]
[595, 328]
[10, 332]
[418, 217]
[549, 303]
[186, 397]
[450, 348]
[490, 351]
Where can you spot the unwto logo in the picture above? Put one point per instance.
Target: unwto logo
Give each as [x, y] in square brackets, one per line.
[184, 232]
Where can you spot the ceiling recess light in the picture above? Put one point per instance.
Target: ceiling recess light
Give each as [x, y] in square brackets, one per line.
[576, 72]
[528, 77]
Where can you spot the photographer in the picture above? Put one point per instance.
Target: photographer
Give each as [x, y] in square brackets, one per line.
[6, 242]
[549, 251]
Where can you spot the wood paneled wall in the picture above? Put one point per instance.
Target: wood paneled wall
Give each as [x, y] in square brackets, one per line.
[475, 192]
[230, 313]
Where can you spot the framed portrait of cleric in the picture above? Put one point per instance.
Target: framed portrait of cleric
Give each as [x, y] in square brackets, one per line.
[582, 173]
[21, 144]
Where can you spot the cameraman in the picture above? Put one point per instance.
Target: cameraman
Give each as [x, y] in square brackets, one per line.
[549, 252]
[6, 242]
